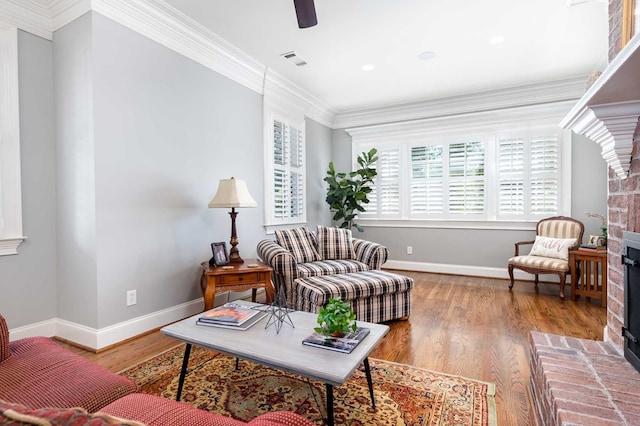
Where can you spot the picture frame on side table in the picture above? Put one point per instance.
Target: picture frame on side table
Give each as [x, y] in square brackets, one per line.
[220, 255]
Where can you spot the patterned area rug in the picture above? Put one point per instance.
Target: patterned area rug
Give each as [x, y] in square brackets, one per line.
[404, 395]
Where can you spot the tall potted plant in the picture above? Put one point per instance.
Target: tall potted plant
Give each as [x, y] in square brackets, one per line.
[348, 192]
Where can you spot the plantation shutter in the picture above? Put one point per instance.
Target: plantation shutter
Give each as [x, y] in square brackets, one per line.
[427, 185]
[511, 169]
[384, 198]
[466, 178]
[544, 175]
[288, 172]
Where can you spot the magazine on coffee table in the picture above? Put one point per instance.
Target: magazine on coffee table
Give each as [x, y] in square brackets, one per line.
[234, 314]
[245, 325]
[345, 344]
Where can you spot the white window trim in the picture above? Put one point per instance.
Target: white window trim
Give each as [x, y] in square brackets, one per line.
[364, 138]
[10, 181]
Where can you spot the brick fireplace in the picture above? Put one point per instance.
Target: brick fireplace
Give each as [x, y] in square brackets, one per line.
[578, 381]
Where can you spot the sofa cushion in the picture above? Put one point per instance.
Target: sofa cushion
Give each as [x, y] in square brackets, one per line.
[558, 248]
[157, 411]
[330, 267]
[335, 243]
[299, 243]
[17, 414]
[4, 340]
[41, 373]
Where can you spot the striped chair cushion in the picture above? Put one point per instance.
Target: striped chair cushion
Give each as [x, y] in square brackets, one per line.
[335, 243]
[553, 264]
[330, 267]
[318, 290]
[299, 243]
[4, 340]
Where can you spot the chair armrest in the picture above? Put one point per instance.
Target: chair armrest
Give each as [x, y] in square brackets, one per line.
[285, 267]
[4, 339]
[521, 243]
[372, 254]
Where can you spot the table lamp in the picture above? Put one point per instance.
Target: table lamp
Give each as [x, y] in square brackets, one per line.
[232, 193]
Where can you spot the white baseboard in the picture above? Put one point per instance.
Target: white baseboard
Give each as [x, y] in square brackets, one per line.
[100, 338]
[472, 271]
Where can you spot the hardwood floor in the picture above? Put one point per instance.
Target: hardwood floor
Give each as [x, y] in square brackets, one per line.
[468, 326]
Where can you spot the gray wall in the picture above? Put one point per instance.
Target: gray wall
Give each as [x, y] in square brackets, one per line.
[487, 248]
[318, 139]
[28, 280]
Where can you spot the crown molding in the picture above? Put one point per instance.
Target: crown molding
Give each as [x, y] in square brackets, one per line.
[165, 25]
[532, 94]
[30, 15]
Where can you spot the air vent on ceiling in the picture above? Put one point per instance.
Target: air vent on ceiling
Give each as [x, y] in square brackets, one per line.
[297, 60]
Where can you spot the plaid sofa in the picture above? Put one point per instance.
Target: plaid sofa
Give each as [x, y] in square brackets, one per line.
[286, 269]
[42, 383]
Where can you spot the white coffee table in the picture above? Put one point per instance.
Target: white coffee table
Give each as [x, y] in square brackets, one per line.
[282, 351]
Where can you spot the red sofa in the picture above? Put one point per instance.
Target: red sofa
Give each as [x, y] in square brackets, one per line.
[37, 375]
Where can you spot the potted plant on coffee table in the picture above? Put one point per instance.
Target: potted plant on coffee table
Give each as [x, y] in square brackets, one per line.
[336, 318]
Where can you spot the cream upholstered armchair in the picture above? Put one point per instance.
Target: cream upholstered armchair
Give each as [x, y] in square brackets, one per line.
[549, 254]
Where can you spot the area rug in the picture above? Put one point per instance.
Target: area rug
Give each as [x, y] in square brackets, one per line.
[404, 395]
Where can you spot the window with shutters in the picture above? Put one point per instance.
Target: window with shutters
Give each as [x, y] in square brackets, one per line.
[501, 175]
[285, 173]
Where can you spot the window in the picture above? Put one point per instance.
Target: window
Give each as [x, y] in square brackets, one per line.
[10, 190]
[492, 172]
[286, 202]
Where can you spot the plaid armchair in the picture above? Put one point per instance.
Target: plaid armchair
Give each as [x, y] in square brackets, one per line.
[549, 254]
[368, 256]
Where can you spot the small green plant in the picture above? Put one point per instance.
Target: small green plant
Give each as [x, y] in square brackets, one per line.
[336, 318]
[348, 193]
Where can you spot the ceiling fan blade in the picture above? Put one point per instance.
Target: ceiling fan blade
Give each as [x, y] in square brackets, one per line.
[306, 13]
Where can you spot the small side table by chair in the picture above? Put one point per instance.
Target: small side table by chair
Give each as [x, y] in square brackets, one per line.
[250, 275]
[589, 274]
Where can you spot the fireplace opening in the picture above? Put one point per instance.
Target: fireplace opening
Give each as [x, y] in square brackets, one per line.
[631, 329]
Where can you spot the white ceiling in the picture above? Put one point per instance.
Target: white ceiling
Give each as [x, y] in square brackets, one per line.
[543, 40]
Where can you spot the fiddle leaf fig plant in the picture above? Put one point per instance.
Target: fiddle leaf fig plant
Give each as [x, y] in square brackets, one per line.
[336, 318]
[348, 192]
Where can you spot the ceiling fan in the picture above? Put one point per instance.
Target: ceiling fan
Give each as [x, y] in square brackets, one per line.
[306, 13]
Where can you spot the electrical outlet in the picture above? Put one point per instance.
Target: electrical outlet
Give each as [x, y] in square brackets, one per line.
[131, 298]
[409, 250]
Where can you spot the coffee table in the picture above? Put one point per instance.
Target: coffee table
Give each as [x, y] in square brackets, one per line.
[281, 351]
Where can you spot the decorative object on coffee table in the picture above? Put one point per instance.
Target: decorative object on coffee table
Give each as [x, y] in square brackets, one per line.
[278, 312]
[233, 193]
[336, 318]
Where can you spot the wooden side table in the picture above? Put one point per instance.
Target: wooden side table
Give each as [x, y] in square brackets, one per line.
[235, 277]
[588, 274]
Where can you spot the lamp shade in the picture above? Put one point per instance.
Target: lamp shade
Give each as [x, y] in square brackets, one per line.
[232, 193]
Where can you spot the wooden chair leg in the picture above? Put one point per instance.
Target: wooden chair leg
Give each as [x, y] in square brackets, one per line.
[563, 278]
[511, 276]
[535, 281]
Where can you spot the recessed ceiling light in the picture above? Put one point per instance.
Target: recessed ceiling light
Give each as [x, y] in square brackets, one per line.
[368, 67]
[426, 55]
[496, 40]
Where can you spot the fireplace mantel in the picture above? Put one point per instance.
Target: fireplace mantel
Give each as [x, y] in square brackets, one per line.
[608, 112]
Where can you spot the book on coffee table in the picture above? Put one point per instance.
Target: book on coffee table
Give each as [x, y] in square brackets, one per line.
[345, 344]
[245, 325]
[233, 314]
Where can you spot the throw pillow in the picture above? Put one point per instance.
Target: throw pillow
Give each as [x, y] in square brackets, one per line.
[4, 340]
[335, 243]
[13, 414]
[299, 243]
[557, 248]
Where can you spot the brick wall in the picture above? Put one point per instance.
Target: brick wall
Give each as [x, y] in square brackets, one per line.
[623, 207]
